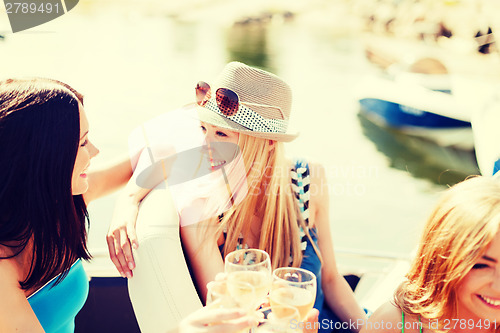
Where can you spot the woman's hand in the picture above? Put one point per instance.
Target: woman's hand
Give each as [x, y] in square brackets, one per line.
[208, 320]
[311, 323]
[121, 237]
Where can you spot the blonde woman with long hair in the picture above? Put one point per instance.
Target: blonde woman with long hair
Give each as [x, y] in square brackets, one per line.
[284, 209]
[454, 282]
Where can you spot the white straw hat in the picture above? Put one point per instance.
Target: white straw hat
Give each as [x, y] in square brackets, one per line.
[265, 102]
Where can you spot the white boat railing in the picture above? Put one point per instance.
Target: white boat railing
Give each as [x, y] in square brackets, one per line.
[372, 254]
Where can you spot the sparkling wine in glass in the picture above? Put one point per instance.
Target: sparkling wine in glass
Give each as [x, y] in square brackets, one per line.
[221, 295]
[295, 287]
[218, 295]
[250, 266]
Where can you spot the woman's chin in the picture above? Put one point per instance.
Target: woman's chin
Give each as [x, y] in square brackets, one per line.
[81, 188]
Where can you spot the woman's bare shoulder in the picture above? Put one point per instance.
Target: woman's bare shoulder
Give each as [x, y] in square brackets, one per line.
[318, 184]
[317, 175]
[15, 312]
[387, 318]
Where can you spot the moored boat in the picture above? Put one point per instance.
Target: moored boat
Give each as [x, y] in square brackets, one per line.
[417, 110]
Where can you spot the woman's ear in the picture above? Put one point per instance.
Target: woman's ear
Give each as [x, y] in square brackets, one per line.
[271, 145]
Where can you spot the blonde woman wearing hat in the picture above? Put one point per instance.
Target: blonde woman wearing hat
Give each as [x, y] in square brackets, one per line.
[454, 283]
[251, 108]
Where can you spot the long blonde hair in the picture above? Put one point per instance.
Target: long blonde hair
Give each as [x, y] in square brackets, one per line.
[270, 191]
[456, 235]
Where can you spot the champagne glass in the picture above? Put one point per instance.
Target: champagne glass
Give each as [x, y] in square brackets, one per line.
[251, 266]
[219, 296]
[295, 287]
[243, 294]
[237, 295]
[282, 319]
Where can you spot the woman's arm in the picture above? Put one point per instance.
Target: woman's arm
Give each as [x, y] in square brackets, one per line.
[149, 170]
[338, 293]
[16, 314]
[202, 253]
[121, 235]
[106, 181]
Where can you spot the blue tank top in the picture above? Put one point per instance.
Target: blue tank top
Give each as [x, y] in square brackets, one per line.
[56, 306]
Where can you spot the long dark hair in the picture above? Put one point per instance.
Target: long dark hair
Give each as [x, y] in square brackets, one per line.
[39, 138]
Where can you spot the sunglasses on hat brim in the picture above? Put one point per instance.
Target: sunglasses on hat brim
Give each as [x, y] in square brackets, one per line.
[227, 100]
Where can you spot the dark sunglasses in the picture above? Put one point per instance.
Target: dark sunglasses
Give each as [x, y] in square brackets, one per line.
[227, 100]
